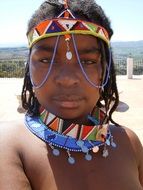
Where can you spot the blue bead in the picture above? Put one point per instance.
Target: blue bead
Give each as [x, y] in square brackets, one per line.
[50, 137]
[108, 142]
[84, 149]
[80, 143]
[96, 122]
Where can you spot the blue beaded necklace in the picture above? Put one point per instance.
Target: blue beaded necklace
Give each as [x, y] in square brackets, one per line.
[59, 141]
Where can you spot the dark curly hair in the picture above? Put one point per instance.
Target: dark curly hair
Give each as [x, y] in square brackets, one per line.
[87, 10]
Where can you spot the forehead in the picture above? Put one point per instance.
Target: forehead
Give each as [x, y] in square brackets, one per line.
[82, 41]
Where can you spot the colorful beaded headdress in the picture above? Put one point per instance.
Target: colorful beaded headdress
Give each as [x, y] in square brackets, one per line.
[65, 24]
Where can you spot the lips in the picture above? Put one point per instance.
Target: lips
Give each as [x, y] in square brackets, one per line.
[69, 102]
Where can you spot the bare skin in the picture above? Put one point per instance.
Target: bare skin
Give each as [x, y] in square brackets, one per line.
[26, 162]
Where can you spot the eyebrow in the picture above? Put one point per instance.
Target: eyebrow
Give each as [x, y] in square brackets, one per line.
[44, 48]
[89, 50]
[81, 51]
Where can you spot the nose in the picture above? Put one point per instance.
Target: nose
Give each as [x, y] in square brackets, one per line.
[67, 76]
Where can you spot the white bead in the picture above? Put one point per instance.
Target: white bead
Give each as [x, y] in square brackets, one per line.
[95, 149]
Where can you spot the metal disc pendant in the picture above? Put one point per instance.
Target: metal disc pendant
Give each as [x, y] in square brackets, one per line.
[69, 55]
[105, 153]
[84, 149]
[88, 157]
[71, 160]
[113, 145]
[56, 152]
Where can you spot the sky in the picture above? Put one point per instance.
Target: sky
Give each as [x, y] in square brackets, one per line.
[126, 18]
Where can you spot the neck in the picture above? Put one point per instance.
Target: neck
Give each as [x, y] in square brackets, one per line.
[79, 121]
[60, 125]
[97, 117]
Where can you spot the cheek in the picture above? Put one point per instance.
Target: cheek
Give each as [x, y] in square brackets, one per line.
[95, 74]
[41, 95]
[93, 97]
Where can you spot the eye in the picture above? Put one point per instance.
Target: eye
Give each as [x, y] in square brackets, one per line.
[88, 62]
[45, 60]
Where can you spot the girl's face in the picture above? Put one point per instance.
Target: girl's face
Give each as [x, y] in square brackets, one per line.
[67, 93]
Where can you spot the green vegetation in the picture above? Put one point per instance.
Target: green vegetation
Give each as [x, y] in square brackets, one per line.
[12, 68]
[138, 66]
[12, 62]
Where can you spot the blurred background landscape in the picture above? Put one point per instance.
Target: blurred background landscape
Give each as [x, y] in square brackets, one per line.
[12, 59]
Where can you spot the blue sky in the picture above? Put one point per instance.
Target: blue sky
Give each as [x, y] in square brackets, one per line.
[126, 17]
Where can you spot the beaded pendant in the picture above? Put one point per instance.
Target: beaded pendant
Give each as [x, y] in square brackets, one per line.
[69, 55]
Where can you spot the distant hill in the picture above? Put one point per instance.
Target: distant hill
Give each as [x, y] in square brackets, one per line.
[13, 53]
[124, 49]
[120, 49]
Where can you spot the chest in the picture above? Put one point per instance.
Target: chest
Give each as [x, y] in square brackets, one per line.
[46, 171]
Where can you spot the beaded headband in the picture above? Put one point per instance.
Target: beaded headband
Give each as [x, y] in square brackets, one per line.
[65, 26]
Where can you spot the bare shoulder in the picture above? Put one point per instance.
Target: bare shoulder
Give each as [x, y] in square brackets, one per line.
[12, 135]
[138, 150]
[125, 135]
[128, 139]
[10, 131]
[136, 143]
[132, 137]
